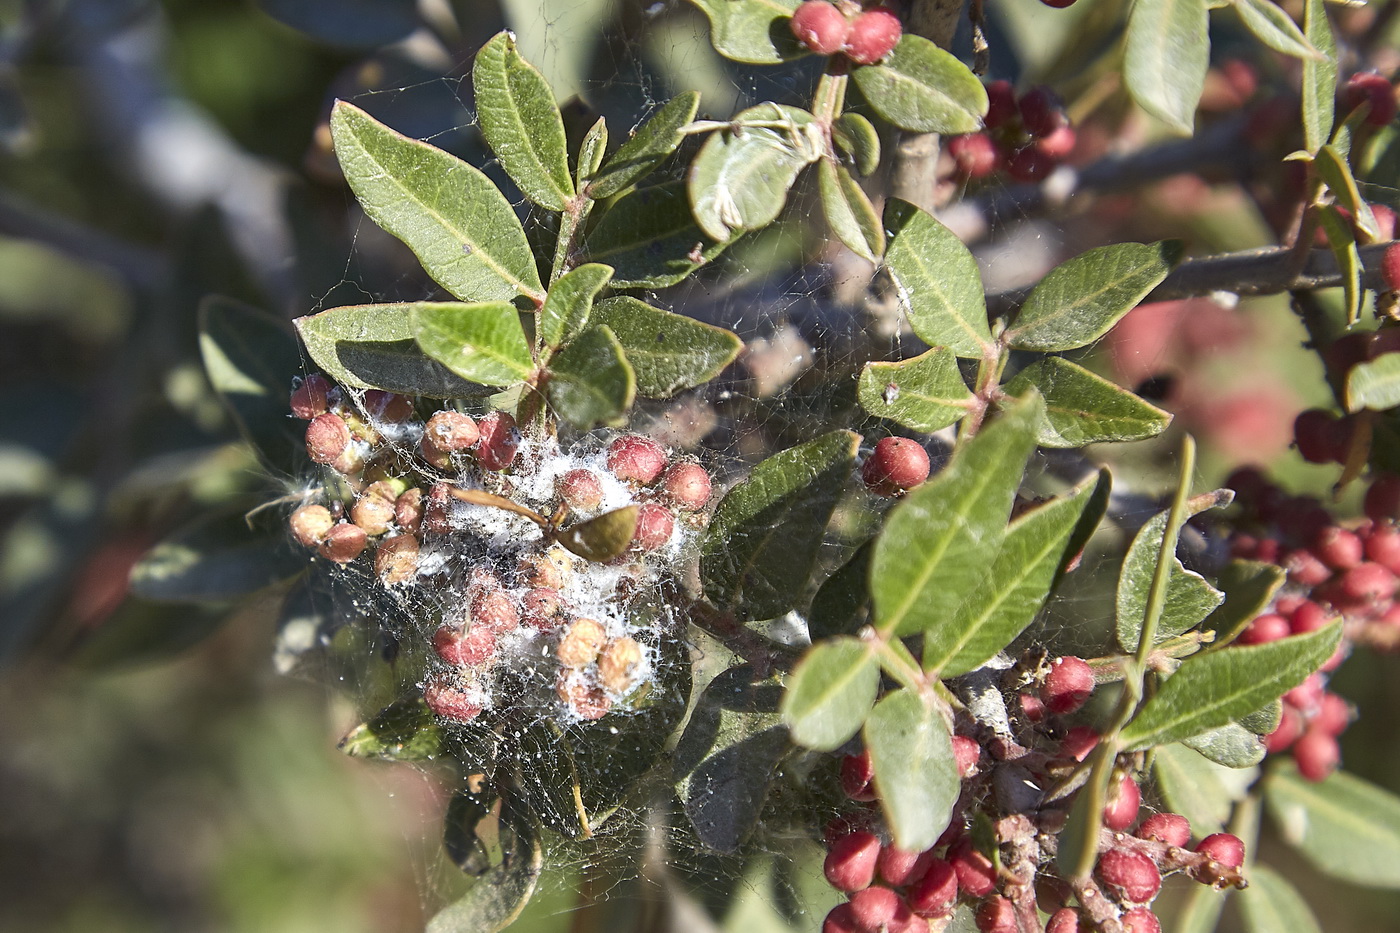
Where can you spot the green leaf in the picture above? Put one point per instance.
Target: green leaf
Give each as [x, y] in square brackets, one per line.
[250, 357]
[1319, 77]
[457, 223]
[603, 537]
[1013, 589]
[217, 558]
[858, 141]
[495, 900]
[924, 394]
[1265, 719]
[1200, 910]
[1165, 61]
[849, 212]
[1271, 905]
[373, 347]
[469, 848]
[590, 153]
[648, 147]
[916, 777]
[758, 552]
[728, 756]
[1212, 689]
[669, 352]
[1080, 300]
[752, 31]
[521, 123]
[650, 238]
[1342, 242]
[1189, 597]
[936, 281]
[1231, 745]
[1083, 408]
[843, 601]
[403, 731]
[1332, 165]
[1275, 28]
[1374, 384]
[1249, 586]
[739, 180]
[1197, 788]
[937, 543]
[590, 380]
[830, 693]
[921, 88]
[480, 342]
[569, 302]
[1346, 827]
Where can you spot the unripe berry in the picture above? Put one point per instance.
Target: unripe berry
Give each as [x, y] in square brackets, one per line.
[553, 569]
[1171, 828]
[996, 915]
[856, 774]
[1319, 436]
[311, 397]
[655, 523]
[541, 609]
[450, 701]
[1390, 267]
[327, 437]
[474, 646]
[1222, 848]
[820, 27]
[408, 510]
[1317, 755]
[1042, 112]
[1338, 548]
[974, 154]
[896, 464]
[617, 664]
[492, 608]
[396, 559]
[1382, 501]
[850, 865]
[450, 431]
[310, 524]
[373, 514]
[580, 489]
[687, 486]
[872, 36]
[343, 543]
[1129, 876]
[636, 459]
[581, 643]
[1079, 742]
[1367, 87]
[498, 440]
[966, 752]
[1064, 920]
[977, 875]
[1123, 805]
[1067, 685]
[585, 700]
[935, 892]
[1266, 628]
[840, 919]
[388, 406]
[1140, 920]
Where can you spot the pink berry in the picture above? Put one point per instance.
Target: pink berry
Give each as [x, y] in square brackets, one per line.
[344, 543]
[474, 646]
[1307, 695]
[451, 431]
[1304, 568]
[497, 441]
[1042, 112]
[1223, 848]
[856, 774]
[1266, 628]
[310, 397]
[1317, 755]
[977, 876]
[1124, 801]
[1140, 920]
[387, 406]
[310, 524]
[974, 154]
[1130, 876]
[1333, 715]
[1058, 144]
[1290, 726]
[541, 609]
[1032, 707]
[636, 459]
[327, 437]
[1383, 546]
[1064, 920]
[1369, 582]
[820, 27]
[850, 865]
[966, 752]
[1171, 828]
[1390, 267]
[580, 489]
[1385, 217]
[876, 909]
[492, 608]
[841, 919]
[1078, 742]
[1367, 87]
[873, 35]
[896, 464]
[936, 891]
[655, 523]
[1338, 548]
[1382, 501]
[1308, 617]
[687, 485]
[450, 701]
[898, 867]
[996, 915]
[1319, 437]
[1067, 685]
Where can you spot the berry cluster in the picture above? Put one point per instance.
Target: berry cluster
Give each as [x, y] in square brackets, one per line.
[863, 36]
[486, 532]
[1322, 436]
[889, 889]
[1026, 137]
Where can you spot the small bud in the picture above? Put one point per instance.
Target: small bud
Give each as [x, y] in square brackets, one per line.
[343, 543]
[654, 526]
[498, 440]
[448, 700]
[450, 431]
[872, 36]
[396, 559]
[636, 459]
[327, 438]
[310, 397]
[581, 643]
[580, 490]
[476, 645]
[1068, 685]
[850, 865]
[687, 485]
[1223, 848]
[1123, 805]
[1129, 876]
[1171, 828]
[541, 609]
[819, 26]
[310, 524]
[587, 701]
[373, 514]
[408, 510]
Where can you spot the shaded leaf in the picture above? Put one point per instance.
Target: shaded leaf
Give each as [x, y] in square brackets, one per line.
[1083, 408]
[603, 537]
[480, 342]
[936, 281]
[924, 89]
[924, 393]
[1231, 745]
[938, 543]
[858, 141]
[468, 847]
[1319, 77]
[916, 777]
[1346, 827]
[1275, 28]
[650, 238]
[215, 559]
[1374, 384]
[1212, 689]
[842, 603]
[849, 212]
[1080, 300]
[1165, 61]
[403, 731]
[653, 141]
[521, 123]
[361, 24]
[1271, 905]
[1200, 910]
[590, 380]
[459, 225]
[759, 549]
[569, 302]
[752, 31]
[496, 899]
[1249, 586]
[1189, 597]
[830, 693]
[1197, 788]
[669, 352]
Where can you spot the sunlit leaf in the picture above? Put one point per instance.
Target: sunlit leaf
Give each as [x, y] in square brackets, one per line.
[849, 212]
[922, 88]
[1083, 408]
[1189, 598]
[669, 352]
[752, 31]
[653, 141]
[830, 693]
[936, 281]
[924, 393]
[570, 301]
[481, 342]
[1319, 77]
[1374, 384]
[916, 777]
[1168, 51]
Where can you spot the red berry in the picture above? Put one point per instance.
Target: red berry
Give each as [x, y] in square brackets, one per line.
[850, 865]
[841, 919]
[1067, 685]
[474, 646]
[856, 774]
[687, 485]
[1369, 582]
[1382, 502]
[1307, 695]
[996, 915]
[1290, 726]
[327, 437]
[820, 27]
[1309, 617]
[1032, 707]
[636, 459]
[450, 431]
[310, 397]
[1266, 628]
[1338, 548]
[1140, 920]
[1304, 568]
[1079, 742]
[654, 526]
[975, 154]
[879, 909]
[896, 464]
[977, 876]
[1383, 546]
[1367, 87]
[1317, 755]
[387, 406]
[966, 751]
[1123, 804]
[449, 701]
[498, 440]
[1223, 848]
[935, 892]
[1042, 112]
[1029, 164]
[1064, 920]
[1333, 715]
[344, 543]
[580, 489]
[873, 35]
[1390, 267]
[1319, 436]
[898, 867]
[1171, 828]
[1130, 876]
[1058, 145]
[1001, 104]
